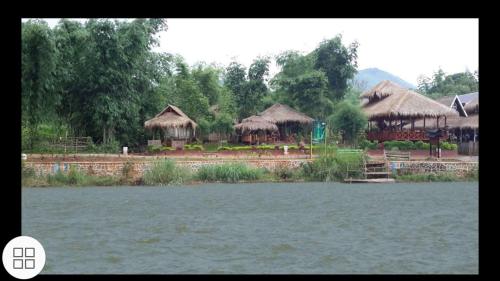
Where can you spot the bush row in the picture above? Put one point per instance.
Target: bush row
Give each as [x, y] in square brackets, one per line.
[404, 145]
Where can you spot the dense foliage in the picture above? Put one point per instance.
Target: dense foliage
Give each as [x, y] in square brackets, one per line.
[444, 85]
[102, 79]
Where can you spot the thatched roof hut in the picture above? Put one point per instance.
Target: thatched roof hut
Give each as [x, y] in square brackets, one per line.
[389, 100]
[170, 117]
[255, 123]
[280, 113]
[174, 124]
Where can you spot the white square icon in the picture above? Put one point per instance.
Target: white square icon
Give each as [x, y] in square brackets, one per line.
[29, 264]
[18, 264]
[18, 252]
[29, 252]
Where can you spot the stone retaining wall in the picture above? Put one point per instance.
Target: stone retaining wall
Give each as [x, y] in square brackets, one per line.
[138, 168]
[419, 167]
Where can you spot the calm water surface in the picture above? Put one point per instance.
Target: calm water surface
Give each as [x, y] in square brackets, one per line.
[256, 228]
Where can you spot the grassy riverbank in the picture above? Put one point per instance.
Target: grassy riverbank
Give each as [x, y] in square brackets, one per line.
[330, 168]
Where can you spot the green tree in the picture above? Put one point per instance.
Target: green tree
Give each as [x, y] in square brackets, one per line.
[349, 120]
[248, 90]
[208, 82]
[38, 64]
[442, 84]
[223, 124]
[339, 64]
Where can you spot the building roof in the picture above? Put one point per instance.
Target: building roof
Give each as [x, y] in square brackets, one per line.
[170, 117]
[255, 123]
[388, 99]
[281, 113]
[466, 98]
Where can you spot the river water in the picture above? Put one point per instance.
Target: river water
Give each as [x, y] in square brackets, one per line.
[256, 228]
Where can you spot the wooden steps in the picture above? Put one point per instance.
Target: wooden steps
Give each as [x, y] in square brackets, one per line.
[384, 180]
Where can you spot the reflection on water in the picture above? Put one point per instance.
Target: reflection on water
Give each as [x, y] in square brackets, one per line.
[257, 228]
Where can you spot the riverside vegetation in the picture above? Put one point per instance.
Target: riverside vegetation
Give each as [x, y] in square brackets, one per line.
[332, 166]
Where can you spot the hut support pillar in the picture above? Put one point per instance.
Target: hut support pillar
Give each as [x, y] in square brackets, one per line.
[437, 122]
[424, 122]
[474, 135]
[460, 135]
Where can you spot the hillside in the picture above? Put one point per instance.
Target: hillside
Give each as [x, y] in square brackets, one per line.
[369, 77]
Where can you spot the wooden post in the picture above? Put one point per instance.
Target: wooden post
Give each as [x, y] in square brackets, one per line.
[445, 120]
[438, 154]
[430, 148]
[460, 135]
[437, 122]
[424, 122]
[474, 135]
[325, 138]
[311, 147]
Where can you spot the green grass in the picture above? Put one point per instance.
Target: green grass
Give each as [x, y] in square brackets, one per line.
[230, 172]
[437, 177]
[334, 166]
[165, 172]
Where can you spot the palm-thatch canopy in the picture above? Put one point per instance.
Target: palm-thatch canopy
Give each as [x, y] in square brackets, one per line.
[170, 117]
[453, 122]
[389, 100]
[255, 123]
[280, 113]
[383, 89]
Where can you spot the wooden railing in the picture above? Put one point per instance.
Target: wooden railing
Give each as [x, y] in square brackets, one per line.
[411, 135]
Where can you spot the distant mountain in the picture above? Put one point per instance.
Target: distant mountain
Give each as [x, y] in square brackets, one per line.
[367, 78]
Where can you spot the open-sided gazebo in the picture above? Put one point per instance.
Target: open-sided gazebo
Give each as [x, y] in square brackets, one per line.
[287, 119]
[393, 110]
[256, 129]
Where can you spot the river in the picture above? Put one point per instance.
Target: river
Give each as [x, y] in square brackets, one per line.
[256, 228]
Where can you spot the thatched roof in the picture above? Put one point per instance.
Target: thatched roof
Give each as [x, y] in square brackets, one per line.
[472, 121]
[383, 89]
[255, 123]
[170, 117]
[447, 100]
[473, 106]
[280, 113]
[387, 99]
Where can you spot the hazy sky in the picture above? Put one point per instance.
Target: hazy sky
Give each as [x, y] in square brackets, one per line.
[404, 47]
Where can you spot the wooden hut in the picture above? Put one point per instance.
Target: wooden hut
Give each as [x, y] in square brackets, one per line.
[256, 129]
[390, 108]
[287, 119]
[175, 126]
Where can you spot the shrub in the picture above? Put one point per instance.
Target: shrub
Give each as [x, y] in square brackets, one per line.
[165, 172]
[401, 145]
[154, 148]
[429, 177]
[283, 172]
[448, 146]
[193, 147]
[231, 172]
[366, 144]
[331, 168]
